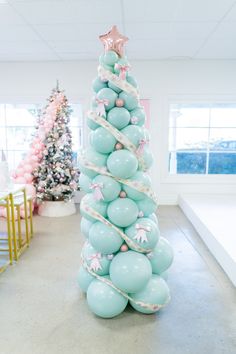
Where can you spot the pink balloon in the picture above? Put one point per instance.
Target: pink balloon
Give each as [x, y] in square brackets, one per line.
[34, 158]
[28, 177]
[28, 168]
[20, 180]
[19, 172]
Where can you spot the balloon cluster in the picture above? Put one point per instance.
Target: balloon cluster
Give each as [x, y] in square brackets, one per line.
[124, 259]
[55, 178]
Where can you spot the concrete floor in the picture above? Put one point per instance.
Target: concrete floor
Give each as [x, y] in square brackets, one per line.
[43, 312]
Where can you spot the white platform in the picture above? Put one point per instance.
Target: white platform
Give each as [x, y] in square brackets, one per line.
[214, 218]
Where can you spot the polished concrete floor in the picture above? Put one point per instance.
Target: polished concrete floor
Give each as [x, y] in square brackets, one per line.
[43, 312]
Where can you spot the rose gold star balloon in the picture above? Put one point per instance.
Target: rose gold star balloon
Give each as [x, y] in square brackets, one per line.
[113, 40]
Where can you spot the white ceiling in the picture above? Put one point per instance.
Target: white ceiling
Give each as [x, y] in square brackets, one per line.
[157, 29]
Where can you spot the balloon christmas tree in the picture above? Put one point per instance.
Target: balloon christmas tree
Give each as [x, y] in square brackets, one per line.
[124, 259]
[55, 178]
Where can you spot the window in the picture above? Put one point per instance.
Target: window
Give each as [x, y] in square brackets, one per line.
[202, 139]
[17, 126]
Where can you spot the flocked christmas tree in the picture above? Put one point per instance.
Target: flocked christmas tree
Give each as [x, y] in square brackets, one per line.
[56, 178]
[124, 259]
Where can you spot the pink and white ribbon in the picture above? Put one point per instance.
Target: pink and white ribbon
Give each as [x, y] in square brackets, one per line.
[134, 120]
[95, 263]
[141, 235]
[123, 70]
[96, 187]
[100, 109]
[141, 146]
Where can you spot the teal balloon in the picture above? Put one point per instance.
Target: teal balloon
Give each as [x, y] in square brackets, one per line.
[108, 94]
[113, 87]
[152, 235]
[119, 117]
[108, 67]
[85, 226]
[104, 238]
[133, 193]
[110, 57]
[84, 279]
[134, 133]
[122, 212]
[131, 80]
[147, 157]
[161, 257]
[147, 206]
[110, 187]
[164, 275]
[98, 84]
[130, 102]
[104, 301]
[153, 217]
[156, 292]
[96, 158]
[98, 206]
[85, 182]
[122, 163]
[130, 271]
[102, 140]
[121, 61]
[139, 114]
[89, 252]
[91, 124]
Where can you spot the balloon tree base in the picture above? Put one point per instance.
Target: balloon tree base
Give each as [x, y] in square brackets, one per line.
[56, 209]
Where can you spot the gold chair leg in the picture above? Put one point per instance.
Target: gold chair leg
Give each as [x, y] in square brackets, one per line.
[26, 218]
[19, 226]
[9, 231]
[13, 227]
[31, 218]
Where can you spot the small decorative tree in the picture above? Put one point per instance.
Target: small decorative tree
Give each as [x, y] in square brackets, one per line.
[124, 259]
[56, 178]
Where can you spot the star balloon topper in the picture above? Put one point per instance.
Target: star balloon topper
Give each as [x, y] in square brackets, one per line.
[114, 40]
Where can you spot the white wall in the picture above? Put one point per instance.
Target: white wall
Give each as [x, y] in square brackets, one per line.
[160, 81]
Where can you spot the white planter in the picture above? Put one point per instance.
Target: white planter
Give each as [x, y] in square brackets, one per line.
[56, 209]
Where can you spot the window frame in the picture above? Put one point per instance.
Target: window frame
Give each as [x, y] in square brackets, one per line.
[166, 177]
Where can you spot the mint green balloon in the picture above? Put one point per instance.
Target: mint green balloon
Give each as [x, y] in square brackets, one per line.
[104, 238]
[85, 183]
[113, 87]
[91, 124]
[102, 140]
[119, 117]
[164, 275]
[108, 94]
[104, 301]
[152, 235]
[96, 158]
[161, 257]
[122, 212]
[84, 279]
[98, 206]
[133, 193]
[153, 217]
[89, 253]
[98, 84]
[147, 206]
[130, 271]
[134, 133]
[130, 102]
[139, 114]
[131, 80]
[121, 61]
[110, 57]
[108, 67]
[110, 187]
[85, 226]
[156, 292]
[122, 163]
[147, 157]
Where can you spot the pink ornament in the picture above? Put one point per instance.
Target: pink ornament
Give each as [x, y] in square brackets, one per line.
[123, 194]
[118, 146]
[124, 248]
[119, 102]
